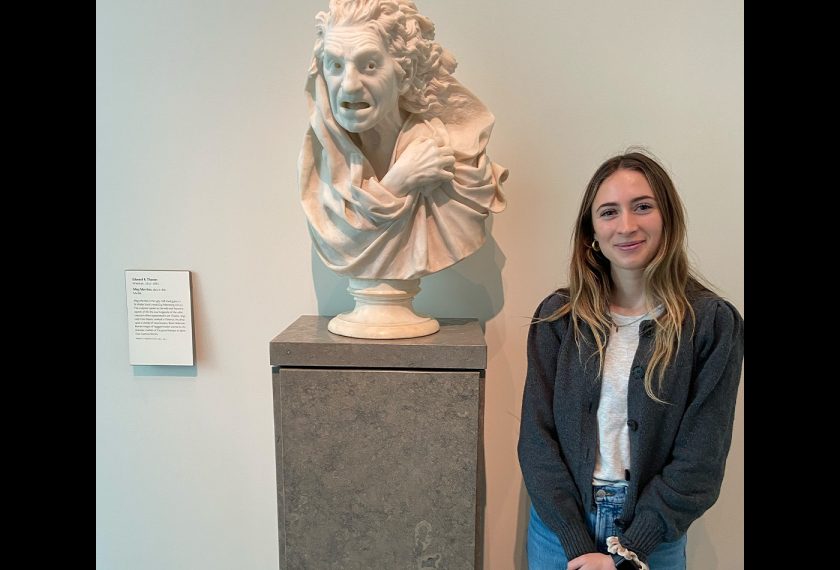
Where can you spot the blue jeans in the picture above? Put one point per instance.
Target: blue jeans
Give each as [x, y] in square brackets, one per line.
[546, 553]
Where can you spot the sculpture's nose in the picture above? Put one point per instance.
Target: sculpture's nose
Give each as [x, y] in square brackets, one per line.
[350, 81]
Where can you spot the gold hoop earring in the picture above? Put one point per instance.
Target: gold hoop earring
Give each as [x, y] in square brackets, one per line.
[595, 246]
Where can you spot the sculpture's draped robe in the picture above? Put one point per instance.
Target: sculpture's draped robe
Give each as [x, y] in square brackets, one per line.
[360, 229]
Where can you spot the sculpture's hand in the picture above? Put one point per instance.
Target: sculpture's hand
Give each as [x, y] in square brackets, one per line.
[425, 162]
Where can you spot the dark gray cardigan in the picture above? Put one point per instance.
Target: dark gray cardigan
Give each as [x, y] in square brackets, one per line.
[677, 450]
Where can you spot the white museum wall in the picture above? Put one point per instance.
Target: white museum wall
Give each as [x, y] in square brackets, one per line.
[199, 116]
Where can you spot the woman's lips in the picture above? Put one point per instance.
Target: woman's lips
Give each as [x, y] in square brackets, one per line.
[629, 246]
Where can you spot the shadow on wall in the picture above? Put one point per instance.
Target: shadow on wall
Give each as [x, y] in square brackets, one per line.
[520, 554]
[471, 288]
[330, 288]
[700, 547]
[173, 371]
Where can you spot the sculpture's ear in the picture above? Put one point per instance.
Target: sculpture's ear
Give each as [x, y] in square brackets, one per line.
[406, 80]
[315, 67]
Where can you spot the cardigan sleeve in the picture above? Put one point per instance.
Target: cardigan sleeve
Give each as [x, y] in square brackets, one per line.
[690, 483]
[550, 485]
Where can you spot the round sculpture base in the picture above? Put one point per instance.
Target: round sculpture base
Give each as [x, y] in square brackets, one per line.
[383, 310]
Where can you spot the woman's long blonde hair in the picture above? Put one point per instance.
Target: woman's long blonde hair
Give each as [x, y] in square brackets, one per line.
[666, 278]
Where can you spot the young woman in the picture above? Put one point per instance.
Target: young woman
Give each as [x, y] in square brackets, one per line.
[633, 372]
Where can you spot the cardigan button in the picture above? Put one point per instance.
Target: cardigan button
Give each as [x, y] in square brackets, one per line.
[633, 424]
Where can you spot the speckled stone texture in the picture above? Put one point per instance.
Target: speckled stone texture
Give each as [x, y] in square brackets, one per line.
[376, 467]
[307, 342]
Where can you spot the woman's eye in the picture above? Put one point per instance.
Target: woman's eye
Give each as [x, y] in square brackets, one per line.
[645, 207]
[607, 213]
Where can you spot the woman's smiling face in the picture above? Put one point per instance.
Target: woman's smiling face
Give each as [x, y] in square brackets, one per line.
[627, 221]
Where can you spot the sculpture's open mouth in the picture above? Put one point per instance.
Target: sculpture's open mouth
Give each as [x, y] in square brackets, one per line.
[354, 106]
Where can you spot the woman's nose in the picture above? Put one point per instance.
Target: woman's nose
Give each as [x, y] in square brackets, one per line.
[626, 223]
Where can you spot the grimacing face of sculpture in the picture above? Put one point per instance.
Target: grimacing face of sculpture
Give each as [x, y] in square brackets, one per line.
[361, 78]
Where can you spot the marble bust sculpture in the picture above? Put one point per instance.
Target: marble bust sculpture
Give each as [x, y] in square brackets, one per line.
[394, 178]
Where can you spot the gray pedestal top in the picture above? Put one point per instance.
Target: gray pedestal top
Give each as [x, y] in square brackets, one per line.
[458, 345]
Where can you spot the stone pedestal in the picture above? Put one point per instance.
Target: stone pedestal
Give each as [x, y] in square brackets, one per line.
[377, 445]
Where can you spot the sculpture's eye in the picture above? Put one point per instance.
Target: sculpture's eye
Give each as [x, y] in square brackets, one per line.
[336, 66]
[371, 66]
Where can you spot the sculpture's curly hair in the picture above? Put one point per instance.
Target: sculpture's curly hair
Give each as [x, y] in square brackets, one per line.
[409, 37]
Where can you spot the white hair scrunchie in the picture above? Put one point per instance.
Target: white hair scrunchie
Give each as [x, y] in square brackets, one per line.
[614, 547]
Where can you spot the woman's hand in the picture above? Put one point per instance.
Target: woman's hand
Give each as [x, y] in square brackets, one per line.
[592, 561]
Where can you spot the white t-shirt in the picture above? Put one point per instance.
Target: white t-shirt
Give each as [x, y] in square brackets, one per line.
[613, 456]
